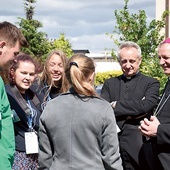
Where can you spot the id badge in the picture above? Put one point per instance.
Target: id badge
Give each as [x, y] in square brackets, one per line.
[31, 142]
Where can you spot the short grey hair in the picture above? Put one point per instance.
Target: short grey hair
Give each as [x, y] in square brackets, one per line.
[129, 44]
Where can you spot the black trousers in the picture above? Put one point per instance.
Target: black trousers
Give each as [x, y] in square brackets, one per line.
[132, 149]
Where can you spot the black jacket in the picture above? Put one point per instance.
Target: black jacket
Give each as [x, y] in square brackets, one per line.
[41, 89]
[161, 143]
[21, 125]
[136, 98]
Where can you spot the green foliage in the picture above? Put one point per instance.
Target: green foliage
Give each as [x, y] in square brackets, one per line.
[134, 27]
[29, 9]
[38, 42]
[101, 77]
[62, 44]
[153, 69]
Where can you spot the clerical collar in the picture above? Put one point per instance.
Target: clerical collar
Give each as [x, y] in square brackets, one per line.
[129, 78]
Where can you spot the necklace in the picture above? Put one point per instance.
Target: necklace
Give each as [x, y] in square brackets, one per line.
[160, 107]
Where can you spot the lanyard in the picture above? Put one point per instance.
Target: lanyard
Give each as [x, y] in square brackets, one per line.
[48, 98]
[30, 116]
[160, 107]
[26, 105]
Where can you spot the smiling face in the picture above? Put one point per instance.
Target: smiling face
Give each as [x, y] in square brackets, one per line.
[55, 68]
[129, 61]
[164, 57]
[24, 75]
[8, 54]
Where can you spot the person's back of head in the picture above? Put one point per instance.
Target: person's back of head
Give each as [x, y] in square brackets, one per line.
[11, 35]
[80, 71]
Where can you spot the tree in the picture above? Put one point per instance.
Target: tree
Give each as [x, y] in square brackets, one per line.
[40, 45]
[62, 44]
[38, 41]
[134, 27]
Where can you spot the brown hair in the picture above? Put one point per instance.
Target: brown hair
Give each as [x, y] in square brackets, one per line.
[11, 35]
[15, 64]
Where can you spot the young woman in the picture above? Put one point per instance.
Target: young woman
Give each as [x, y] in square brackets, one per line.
[26, 111]
[49, 83]
[77, 128]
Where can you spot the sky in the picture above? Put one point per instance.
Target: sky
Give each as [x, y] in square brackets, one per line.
[84, 22]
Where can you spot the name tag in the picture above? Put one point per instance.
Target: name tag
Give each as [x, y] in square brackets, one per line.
[31, 142]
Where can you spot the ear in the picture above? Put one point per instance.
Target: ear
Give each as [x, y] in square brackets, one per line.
[140, 60]
[12, 72]
[91, 78]
[119, 60]
[2, 44]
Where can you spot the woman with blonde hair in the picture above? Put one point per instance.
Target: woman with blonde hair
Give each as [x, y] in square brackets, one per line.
[49, 83]
[78, 128]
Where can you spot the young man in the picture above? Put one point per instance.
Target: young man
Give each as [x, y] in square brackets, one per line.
[11, 40]
[132, 96]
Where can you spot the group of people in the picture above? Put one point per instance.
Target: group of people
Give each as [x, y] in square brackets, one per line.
[143, 118]
[24, 98]
[28, 96]
[56, 119]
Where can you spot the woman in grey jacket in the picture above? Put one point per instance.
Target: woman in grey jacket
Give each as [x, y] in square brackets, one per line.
[77, 128]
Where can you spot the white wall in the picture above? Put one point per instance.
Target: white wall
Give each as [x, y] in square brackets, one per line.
[107, 66]
[160, 8]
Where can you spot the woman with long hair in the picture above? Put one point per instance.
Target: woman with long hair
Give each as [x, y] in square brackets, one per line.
[78, 128]
[48, 84]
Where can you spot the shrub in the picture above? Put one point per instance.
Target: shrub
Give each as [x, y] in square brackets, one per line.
[101, 77]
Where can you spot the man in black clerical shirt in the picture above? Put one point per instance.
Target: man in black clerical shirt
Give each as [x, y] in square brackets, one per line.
[133, 97]
[157, 128]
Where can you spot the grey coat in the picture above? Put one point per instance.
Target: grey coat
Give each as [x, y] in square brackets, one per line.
[78, 133]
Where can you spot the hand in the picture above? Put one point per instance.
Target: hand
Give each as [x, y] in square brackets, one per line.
[149, 127]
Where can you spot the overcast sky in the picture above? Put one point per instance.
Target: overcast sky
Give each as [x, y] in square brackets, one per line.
[84, 22]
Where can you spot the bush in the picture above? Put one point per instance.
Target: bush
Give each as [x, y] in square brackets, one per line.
[101, 77]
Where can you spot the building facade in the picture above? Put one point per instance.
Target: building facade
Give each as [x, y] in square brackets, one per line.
[161, 6]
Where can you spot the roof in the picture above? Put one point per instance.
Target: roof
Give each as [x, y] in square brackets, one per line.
[80, 51]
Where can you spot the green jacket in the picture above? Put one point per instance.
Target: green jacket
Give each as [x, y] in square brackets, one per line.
[7, 140]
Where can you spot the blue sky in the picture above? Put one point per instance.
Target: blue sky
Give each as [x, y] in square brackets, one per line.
[83, 22]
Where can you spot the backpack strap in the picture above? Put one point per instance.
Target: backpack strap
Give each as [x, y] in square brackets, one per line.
[21, 100]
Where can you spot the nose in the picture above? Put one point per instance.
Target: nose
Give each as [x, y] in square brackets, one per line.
[128, 65]
[161, 61]
[27, 77]
[56, 67]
